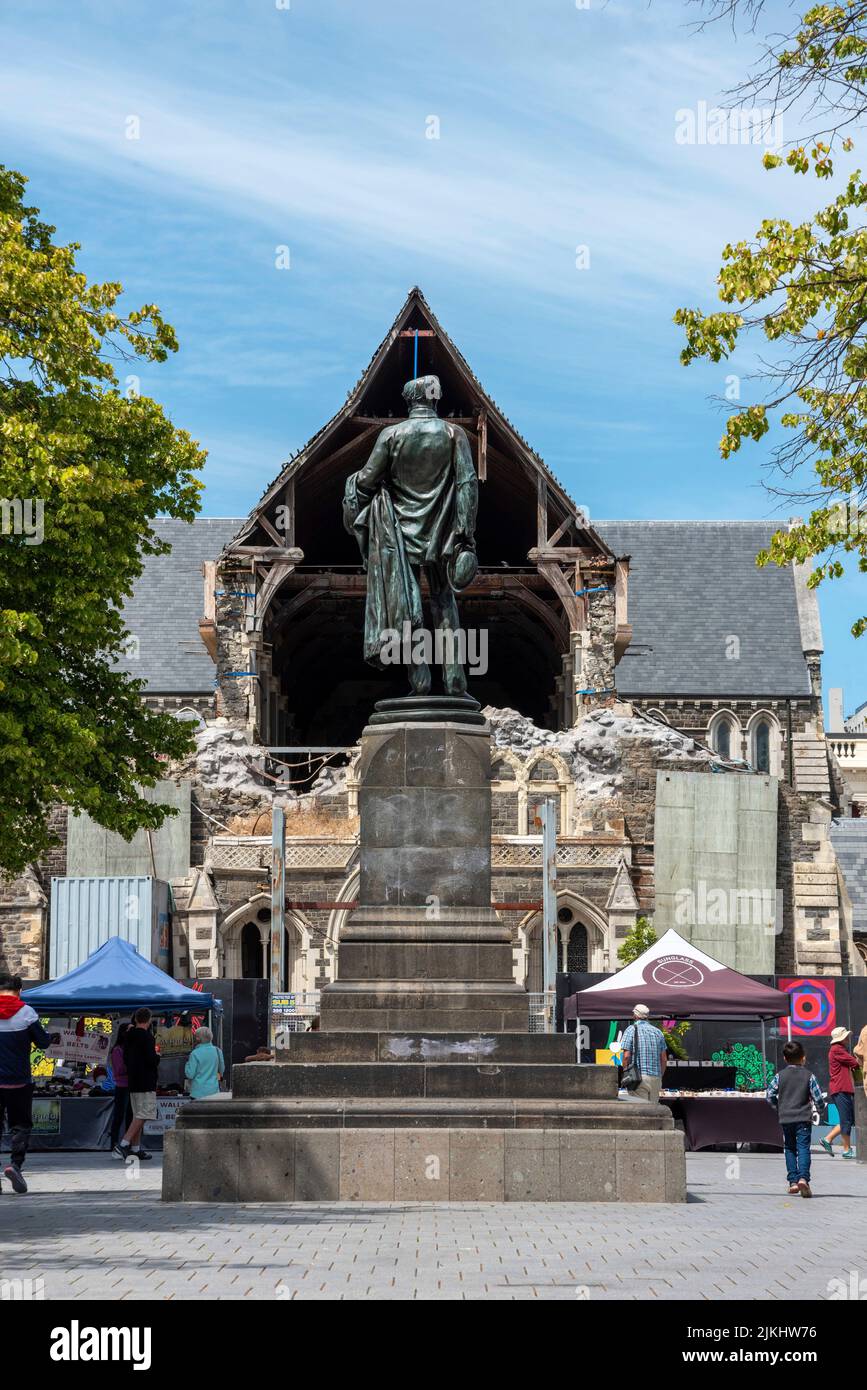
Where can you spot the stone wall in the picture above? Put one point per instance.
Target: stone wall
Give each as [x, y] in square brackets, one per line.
[693, 718]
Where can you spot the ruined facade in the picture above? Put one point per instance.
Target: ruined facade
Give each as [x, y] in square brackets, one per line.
[615, 650]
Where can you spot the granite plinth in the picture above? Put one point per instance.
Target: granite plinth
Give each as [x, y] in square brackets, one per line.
[496, 1164]
[434, 1080]
[466, 1048]
[425, 949]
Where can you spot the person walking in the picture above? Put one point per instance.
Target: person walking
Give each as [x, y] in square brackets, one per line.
[142, 1068]
[841, 1092]
[121, 1115]
[20, 1030]
[205, 1066]
[648, 1043]
[793, 1091]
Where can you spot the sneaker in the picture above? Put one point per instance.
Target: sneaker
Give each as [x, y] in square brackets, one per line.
[829, 1148]
[121, 1151]
[14, 1175]
[794, 1189]
[848, 1153]
[804, 1188]
[143, 1154]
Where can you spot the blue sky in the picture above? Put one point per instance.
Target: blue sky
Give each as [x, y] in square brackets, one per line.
[264, 124]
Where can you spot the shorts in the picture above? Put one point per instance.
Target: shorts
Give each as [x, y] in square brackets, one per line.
[144, 1105]
[845, 1103]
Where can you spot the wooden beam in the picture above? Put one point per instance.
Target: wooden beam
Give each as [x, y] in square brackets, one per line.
[562, 552]
[560, 532]
[271, 530]
[277, 573]
[563, 589]
[383, 421]
[357, 441]
[541, 510]
[622, 626]
[416, 333]
[268, 552]
[289, 504]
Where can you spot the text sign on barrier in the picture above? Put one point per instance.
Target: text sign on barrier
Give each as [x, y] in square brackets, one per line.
[167, 1114]
[46, 1116]
[91, 1048]
[283, 1004]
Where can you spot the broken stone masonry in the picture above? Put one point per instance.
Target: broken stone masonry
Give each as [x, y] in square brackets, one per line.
[601, 773]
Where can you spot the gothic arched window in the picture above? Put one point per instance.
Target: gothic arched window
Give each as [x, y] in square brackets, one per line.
[762, 746]
[576, 951]
[722, 740]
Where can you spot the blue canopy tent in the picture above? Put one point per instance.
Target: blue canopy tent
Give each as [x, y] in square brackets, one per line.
[116, 979]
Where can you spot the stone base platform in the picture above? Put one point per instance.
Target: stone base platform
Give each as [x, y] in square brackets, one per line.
[470, 1049]
[350, 1164]
[457, 1081]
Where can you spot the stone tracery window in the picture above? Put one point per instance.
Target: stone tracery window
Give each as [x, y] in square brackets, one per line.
[762, 746]
[724, 736]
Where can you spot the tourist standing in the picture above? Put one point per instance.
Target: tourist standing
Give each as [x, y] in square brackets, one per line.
[793, 1091]
[121, 1115]
[142, 1067]
[841, 1092]
[20, 1029]
[860, 1051]
[205, 1066]
[648, 1043]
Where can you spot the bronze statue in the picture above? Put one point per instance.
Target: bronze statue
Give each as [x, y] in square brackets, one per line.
[412, 507]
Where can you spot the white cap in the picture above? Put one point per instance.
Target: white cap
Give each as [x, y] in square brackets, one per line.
[641, 1011]
[838, 1034]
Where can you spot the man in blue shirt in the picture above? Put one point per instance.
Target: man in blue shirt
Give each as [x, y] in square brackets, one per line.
[652, 1053]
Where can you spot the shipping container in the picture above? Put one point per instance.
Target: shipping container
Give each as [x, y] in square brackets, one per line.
[86, 912]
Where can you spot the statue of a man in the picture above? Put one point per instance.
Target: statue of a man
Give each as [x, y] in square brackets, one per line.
[412, 507]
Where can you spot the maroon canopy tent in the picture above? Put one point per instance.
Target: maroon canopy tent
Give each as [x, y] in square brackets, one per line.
[677, 980]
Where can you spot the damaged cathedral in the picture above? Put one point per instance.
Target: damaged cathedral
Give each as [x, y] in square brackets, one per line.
[645, 675]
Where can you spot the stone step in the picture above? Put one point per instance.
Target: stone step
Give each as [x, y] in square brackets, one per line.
[415, 1112]
[489, 1163]
[461, 1048]
[425, 1080]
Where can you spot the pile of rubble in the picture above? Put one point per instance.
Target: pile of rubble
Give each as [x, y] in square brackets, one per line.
[593, 749]
[224, 763]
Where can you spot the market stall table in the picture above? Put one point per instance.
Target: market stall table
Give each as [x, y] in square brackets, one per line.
[111, 983]
[733, 1119]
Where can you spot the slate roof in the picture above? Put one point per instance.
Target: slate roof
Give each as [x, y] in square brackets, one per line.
[692, 585]
[849, 838]
[167, 603]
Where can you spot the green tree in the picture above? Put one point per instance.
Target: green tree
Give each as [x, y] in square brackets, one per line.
[636, 942]
[84, 470]
[803, 288]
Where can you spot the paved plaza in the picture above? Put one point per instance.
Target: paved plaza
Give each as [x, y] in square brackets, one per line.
[88, 1230]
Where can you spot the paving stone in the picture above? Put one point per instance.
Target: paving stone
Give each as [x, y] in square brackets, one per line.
[89, 1236]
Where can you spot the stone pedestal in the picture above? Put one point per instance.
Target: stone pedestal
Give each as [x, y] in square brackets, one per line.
[424, 1082]
[425, 948]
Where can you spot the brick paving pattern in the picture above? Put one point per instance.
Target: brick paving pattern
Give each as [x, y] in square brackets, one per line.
[87, 1230]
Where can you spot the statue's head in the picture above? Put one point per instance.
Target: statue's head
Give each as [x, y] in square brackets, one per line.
[424, 390]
